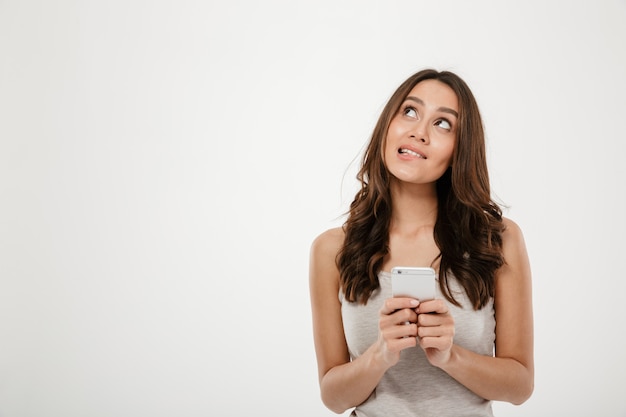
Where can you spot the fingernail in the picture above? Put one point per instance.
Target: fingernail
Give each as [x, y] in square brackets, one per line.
[414, 303]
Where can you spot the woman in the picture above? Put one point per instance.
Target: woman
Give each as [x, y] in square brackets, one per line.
[424, 201]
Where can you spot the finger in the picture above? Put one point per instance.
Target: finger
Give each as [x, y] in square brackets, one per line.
[400, 331]
[433, 319]
[406, 315]
[399, 318]
[439, 343]
[396, 345]
[436, 331]
[397, 303]
[433, 306]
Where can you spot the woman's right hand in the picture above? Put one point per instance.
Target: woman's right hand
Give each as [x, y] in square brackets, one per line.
[397, 328]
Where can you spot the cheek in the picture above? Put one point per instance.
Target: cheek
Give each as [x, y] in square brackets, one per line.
[446, 152]
[451, 152]
[396, 129]
[390, 142]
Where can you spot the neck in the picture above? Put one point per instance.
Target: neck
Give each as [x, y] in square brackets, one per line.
[413, 206]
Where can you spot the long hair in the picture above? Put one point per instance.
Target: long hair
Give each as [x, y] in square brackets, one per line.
[468, 229]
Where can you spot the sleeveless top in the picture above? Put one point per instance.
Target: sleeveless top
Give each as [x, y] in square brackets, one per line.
[413, 387]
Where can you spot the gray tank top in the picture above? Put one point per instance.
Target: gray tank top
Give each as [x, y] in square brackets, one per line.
[413, 387]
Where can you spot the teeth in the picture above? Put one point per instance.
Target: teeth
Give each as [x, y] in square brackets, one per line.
[410, 152]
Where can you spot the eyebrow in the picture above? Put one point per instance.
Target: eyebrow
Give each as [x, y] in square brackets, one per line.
[441, 109]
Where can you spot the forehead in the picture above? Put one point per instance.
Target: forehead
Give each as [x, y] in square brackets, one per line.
[435, 94]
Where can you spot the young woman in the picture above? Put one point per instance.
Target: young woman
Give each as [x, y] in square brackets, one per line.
[424, 201]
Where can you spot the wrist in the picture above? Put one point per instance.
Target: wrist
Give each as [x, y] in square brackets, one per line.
[379, 358]
[451, 361]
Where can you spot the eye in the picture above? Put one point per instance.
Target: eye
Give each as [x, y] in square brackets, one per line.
[410, 111]
[444, 124]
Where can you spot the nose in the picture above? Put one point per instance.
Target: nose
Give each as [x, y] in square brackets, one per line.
[420, 132]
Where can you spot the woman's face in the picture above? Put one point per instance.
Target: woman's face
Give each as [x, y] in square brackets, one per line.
[422, 135]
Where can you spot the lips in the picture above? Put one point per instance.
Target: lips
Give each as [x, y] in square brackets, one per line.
[410, 151]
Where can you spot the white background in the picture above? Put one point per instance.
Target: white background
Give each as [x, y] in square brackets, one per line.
[165, 165]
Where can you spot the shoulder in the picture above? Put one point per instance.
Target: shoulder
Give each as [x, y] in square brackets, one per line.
[512, 235]
[514, 248]
[323, 271]
[328, 244]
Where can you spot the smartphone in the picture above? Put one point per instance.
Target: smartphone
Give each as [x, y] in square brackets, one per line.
[413, 282]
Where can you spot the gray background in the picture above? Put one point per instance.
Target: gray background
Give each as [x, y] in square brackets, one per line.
[164, 167]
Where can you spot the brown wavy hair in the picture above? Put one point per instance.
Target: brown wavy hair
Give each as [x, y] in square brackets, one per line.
[468, 229]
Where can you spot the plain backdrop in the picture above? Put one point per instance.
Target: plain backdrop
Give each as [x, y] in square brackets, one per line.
[165, 166]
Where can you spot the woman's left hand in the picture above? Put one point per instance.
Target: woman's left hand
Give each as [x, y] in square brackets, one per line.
[435, 331]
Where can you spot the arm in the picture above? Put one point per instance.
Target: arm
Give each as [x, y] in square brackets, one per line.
[344, 383]
[509, 376]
